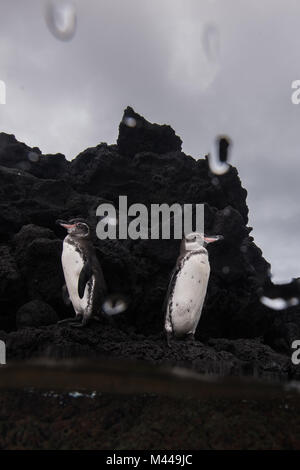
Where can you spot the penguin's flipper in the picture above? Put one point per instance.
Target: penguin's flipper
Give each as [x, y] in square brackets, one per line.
[65, 295]
[171, 285]
[85, 276]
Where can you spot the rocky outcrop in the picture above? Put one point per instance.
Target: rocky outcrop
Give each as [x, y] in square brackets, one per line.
[148, 166]
[138, 135]
[239, 357]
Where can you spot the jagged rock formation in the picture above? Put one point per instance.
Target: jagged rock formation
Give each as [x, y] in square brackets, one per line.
[148, 166]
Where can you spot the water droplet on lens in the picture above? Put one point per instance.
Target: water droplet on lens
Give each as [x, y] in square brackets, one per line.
[224, 144]
[129, 121]
[114, 305]
[219, 155]
[293, 302]
[23, 165]
[227, 211]
[33, 157]
[211, 42]
[61, 19]
[226, 269]
[274, 304]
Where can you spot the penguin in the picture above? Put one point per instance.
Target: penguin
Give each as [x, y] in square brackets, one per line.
[187, 287]
[85, 285]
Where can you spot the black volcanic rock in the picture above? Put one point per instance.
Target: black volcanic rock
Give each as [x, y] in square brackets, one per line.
[33, 197]
[12, 287]
[14, 154]
[26, 199]
[35, 313]
[138, 135]
[38, 263]
[219, 356]
[28, 234]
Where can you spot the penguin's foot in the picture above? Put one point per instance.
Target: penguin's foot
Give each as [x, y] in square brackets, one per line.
[66, 320]
[190, 338]
[71, 320]
[83, 322]
[77, 325]
[169, 338]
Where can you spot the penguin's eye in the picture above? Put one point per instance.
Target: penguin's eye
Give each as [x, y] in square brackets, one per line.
[83, 227]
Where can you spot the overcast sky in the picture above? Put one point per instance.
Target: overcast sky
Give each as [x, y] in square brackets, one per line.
[203, 66]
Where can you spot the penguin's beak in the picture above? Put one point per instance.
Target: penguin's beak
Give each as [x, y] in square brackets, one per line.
[213, 238]
[65, 224]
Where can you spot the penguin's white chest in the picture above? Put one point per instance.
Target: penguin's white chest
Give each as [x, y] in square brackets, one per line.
[72, 263]
[186, 302]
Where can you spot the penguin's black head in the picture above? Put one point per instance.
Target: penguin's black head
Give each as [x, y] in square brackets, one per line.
[77, 228]
[195, 240]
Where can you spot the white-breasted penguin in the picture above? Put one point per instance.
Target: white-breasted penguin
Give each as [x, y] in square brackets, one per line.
[85, 284]
[187, 287]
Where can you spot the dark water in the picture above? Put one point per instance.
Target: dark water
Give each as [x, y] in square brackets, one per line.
[125, 405]
[125, 377]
